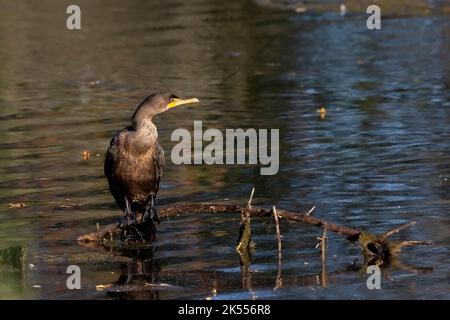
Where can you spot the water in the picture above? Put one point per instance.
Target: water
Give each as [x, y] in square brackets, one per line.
[379, 158]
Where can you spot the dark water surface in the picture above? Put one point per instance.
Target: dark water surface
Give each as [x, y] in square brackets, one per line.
[380, 158]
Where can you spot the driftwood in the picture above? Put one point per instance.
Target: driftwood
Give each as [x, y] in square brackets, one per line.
[377, 249]
[247, 211]
[251, 211]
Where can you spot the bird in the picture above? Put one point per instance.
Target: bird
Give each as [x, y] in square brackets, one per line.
[134, 161]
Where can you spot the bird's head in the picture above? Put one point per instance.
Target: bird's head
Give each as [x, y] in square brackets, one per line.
[157, 103]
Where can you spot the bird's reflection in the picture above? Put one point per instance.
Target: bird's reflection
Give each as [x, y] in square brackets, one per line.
[142, 276]
[142, 270]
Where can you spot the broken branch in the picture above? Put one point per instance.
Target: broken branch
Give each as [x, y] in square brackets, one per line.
[277, 230]
[258, 212]
[398, 229]
[373, 246]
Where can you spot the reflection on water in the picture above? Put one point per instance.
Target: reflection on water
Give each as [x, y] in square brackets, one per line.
[379, 158]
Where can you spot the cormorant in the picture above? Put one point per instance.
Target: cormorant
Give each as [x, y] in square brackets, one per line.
[134, 161]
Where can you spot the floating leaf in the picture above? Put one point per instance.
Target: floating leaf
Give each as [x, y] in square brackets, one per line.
[86, 155]
[322, 112]
[101, 287]
[17, 205]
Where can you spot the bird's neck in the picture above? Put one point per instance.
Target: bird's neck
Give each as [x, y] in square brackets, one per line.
[146, 136]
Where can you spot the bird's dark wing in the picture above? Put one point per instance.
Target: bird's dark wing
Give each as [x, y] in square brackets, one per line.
[109, 169]
[158, 163]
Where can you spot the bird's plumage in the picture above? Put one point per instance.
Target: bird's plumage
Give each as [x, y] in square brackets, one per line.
[134, 162]
[133, 171]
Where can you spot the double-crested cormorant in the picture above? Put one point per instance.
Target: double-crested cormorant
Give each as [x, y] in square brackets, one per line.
[134, 161]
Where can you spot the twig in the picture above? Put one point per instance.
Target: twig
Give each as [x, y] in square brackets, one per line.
[279, 279]
[397, 229]
[245, 233]
[414, 243]
[310, 210]
[323, 246]
[251, 198]
[277, 229]
[100, 234]
[323, 257]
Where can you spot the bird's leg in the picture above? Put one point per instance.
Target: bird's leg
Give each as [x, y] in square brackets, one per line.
[128, 219]
[131, 217]
[150, 212]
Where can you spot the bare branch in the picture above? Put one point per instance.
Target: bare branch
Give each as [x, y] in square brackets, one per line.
[251, 198]
[310, 210]
[397, 229]
[414, 243]
[277, 229]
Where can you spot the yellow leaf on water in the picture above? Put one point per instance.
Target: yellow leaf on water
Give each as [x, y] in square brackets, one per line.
[86, 155]
[101, 287]
[322, 112]
[17, 205]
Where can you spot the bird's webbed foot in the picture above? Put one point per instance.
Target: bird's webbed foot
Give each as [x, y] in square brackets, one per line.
[151, 213]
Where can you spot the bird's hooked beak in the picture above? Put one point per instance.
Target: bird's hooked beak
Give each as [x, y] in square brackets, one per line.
[179, 102]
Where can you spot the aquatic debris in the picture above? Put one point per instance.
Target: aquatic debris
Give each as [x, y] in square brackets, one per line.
[93, 83]
[213, 294]
[70, 205]
[147, 284]
[343, 9]
[277, 229]
[311, 210]
[17, 205]
[322, 112]
[101, 287]
[233, 54]
[323, 245]
[279, 278]
[377, 248]
[86, 155]
[245, 233]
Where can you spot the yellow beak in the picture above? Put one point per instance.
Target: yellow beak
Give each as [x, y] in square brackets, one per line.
[179, 102]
